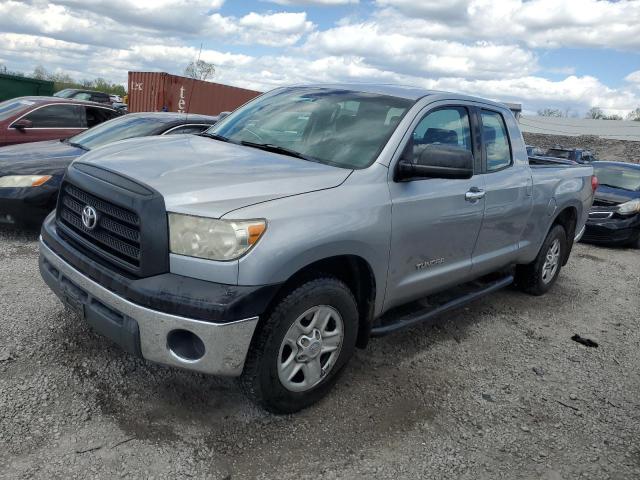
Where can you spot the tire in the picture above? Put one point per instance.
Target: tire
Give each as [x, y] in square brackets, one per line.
[635, 243]
[293, 339]
[537, 277]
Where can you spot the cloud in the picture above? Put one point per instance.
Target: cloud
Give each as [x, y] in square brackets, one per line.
[536, 23]
[482, 47]
[305, 3]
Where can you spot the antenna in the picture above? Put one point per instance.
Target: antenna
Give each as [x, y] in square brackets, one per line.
[193, 79]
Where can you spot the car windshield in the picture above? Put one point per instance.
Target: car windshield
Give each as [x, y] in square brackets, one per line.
[626, 178]
[337, 127]
[66, 93]
[119, 128]
[557, 153]
[9, 108]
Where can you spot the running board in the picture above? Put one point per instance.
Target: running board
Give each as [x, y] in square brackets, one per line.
[426, 314]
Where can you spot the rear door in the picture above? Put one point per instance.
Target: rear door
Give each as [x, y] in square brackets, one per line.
[50, 122]
[508, 192]
[435, 221]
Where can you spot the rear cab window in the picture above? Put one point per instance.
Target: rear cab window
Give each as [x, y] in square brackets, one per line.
[495, 139]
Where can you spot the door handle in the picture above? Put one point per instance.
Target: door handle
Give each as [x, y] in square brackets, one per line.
[474, 195]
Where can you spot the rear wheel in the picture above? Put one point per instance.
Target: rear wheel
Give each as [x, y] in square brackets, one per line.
[539, 276]
[296, 357]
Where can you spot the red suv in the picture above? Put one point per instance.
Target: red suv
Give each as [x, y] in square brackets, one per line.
[31, 119]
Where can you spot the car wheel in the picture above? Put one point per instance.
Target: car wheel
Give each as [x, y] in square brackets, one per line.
[537, 277]
[297, 355]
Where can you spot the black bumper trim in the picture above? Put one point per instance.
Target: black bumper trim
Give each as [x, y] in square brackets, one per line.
[168, 292]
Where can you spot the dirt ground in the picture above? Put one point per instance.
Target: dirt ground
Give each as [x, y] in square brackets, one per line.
[604, 148]
[497, 390]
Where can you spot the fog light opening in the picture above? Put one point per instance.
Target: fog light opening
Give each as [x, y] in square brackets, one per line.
[185, 345]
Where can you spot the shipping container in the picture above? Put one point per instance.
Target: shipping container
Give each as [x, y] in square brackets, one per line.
[159, 91]
[12, 86]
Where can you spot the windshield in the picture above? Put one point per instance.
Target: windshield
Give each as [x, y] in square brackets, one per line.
[566, 154]
[66, 93]
[11, 107]
[337, 127]
[119, 128]
[626, 178]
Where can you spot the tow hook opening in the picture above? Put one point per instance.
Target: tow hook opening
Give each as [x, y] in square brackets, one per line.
[185, 345]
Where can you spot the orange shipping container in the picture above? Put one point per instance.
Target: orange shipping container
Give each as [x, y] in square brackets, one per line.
[158, 91]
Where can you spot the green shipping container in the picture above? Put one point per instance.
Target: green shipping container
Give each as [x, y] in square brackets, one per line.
[12, 86]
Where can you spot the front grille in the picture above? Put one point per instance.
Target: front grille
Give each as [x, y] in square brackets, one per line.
[117, 232]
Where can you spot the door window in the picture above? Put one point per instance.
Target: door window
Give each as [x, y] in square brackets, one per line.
[445, 126]
[58, 116]
[97, 115]
[496, 141]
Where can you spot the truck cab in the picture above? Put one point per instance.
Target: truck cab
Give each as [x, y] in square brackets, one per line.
[302, 224]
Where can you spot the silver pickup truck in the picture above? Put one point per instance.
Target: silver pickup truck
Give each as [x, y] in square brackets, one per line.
[304, 223]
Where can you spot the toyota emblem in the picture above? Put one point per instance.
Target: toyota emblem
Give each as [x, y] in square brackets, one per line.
[89, 217]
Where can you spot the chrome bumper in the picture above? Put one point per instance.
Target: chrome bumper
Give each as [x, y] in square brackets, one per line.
[225, 344]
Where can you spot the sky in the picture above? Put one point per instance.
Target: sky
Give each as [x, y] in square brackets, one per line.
[565, 54]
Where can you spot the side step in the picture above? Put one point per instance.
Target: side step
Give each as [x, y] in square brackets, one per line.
[391, 322]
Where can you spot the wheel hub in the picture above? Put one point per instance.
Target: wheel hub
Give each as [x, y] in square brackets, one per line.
[309, 346]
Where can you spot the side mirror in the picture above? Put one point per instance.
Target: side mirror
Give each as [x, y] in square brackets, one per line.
[438, 161]
[22, 124]
[221, 115]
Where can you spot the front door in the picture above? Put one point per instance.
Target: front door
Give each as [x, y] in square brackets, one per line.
[435, 221]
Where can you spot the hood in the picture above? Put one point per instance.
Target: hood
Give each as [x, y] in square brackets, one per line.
[201, 176]
[606, 195]
[49, 158]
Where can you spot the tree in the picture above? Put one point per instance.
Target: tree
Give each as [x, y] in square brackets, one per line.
[595, 113]
[634, 115]
[612, 117]
[550, 112]
[200, 70]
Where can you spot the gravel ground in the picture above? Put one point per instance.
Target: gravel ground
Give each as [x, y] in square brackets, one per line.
[497, 390]
[604, 148]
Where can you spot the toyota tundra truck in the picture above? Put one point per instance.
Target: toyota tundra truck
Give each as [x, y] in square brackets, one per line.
[302, 224]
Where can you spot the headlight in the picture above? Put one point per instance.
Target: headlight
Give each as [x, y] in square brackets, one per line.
[629, 208]
[213, 239]
[23, 180]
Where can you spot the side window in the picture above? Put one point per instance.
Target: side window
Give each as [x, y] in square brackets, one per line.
[445, 126]
[58, 116]
[96, 116]
[82, 96]
[496, 141]
[188, 129]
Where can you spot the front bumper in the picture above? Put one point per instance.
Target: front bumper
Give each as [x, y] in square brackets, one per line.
[27, 205]
[147, 332]
[613, 230]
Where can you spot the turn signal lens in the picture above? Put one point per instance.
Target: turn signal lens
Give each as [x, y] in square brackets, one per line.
[41, 180]
[594, 183]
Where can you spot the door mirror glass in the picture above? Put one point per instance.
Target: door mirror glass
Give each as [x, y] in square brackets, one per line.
[439, 161]
[22, 124]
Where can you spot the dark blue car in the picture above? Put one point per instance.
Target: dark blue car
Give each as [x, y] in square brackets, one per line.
[614, 218]
[30, 173]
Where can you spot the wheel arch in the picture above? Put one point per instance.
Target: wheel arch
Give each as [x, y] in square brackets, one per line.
[354, 271]
[567, 218]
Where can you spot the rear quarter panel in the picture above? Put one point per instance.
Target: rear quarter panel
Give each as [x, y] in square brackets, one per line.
[555, 188]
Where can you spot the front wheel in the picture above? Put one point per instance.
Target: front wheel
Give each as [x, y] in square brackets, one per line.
[539, 276]
[298, 353]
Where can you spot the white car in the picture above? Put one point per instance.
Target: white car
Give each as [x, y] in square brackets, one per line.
[115, 98]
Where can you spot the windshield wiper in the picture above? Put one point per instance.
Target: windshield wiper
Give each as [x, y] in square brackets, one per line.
[270, 147]
[215, 136]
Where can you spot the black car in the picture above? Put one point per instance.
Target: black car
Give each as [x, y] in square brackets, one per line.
[614, 218]
[79, 94]
[30, 174]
